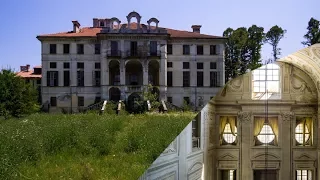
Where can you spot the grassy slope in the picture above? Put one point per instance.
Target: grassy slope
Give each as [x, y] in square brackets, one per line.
[85, 146]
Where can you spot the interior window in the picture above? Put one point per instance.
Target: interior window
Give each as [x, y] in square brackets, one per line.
[266, 82]
[303, 131]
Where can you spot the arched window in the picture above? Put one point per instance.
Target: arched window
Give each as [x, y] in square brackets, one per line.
[266, 134]
[228, 130]
[228, 136]
[303, 131]
[265, 131]
[266, 82]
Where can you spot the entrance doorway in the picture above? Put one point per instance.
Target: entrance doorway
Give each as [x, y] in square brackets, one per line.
[265, 175]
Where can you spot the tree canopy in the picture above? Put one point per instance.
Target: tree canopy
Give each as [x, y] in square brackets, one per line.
[16, 96]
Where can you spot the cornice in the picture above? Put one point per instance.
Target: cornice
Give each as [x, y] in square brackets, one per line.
[58, 38]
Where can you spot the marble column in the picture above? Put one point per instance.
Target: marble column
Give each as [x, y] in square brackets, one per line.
[145, 72]
[163, 73]
[122, 79]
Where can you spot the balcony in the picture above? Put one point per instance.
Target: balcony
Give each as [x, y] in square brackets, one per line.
[136, 54]
[114, 53]
[154, 54]
[131, 89]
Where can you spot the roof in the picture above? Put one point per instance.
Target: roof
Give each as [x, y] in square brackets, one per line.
[93, 31]
[29, 74]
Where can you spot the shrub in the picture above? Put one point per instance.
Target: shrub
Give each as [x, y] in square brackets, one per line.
[17, 98]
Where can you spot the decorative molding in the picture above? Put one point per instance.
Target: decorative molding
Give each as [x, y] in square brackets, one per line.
[287, 116]
[172, 148]
[228, 156]
[235, 85]
[244, 116]
[195, 167]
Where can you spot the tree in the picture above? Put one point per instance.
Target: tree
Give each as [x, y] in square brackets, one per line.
[242, 50]
[17, 97]
[254, 44]
[313, 34]
[273, 37]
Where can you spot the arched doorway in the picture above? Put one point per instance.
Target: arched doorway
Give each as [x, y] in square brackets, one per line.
[134, 73]
[114, 94]
[153, 72]
[114, 72]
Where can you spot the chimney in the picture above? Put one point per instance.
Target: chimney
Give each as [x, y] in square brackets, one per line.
[95, 22]
[76, 26]
[196, 28]
[28, 67]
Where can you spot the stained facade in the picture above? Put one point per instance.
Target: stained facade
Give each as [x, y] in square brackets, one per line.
[116, 61]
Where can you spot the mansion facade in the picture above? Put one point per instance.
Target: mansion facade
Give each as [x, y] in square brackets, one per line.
[114, 61]
[263, 125]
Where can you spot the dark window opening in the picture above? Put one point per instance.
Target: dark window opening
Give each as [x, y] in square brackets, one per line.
[200, 50]
[66, 65]
[213, 49]
[66, 78]
[186, 78]
[213, 65]
[97, 48]
[53, 101]
[200, 65]
[80, 101]
[66, 48]
[186, 50]
[186, 65]
[53, 65]
[53, 49]
[169, 64]
[169, 48]
[200, 79]
[169, 78]
[80, 49]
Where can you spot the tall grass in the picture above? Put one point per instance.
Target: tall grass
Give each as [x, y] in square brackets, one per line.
[85, 146]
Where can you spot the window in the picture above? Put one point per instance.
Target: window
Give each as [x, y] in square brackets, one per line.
[213, 65]
[200, 50]
[153, 47]
[80, 65]
[213, 49]
[266, 131]
[186, 78]
[186, 100]
[53, 101]
[200, 65]
[199, 79]
[214, 79]
[169, 64]
[97, 48]
[228, 175]
[97, 65]
[169, 78]
[53, 49]
[80, 101]
[114, 48]
[196, 131]
[97, 99]
[66, 78]
[80, 49]
[303, 131]
[96, 78]
[66, 65]
[52, 78]
[228, 130]
[186, 50]
[66, 48]
[266, 82]
[169, 99]
[303, 174]
[133, 48]
[169, 48]
[101, 24]
[186, 65]
[80, 78]
[39, 81]
[53, 65]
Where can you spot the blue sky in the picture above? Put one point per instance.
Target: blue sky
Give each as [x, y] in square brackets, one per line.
[22, 20]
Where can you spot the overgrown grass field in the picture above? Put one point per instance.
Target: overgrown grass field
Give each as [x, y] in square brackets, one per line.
[85, 146]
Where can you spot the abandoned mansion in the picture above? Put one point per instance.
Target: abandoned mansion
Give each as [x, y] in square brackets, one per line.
[117, 61]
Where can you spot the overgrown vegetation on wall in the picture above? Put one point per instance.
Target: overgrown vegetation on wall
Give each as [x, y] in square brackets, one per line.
[85, 146]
